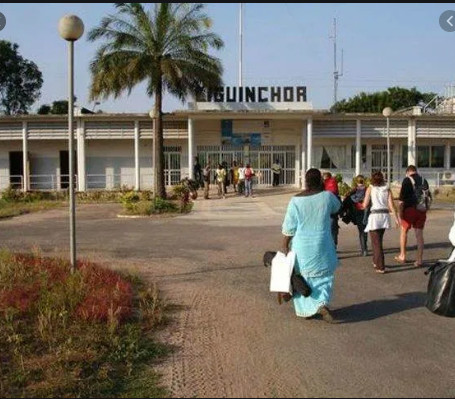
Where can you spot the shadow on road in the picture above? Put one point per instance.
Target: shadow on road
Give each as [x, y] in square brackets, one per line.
[396, 250]
[379, 308]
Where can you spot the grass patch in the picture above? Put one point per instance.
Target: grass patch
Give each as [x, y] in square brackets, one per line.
[81, 335]
[10, 209]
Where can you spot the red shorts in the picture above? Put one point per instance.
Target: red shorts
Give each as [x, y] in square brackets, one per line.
[413, 218]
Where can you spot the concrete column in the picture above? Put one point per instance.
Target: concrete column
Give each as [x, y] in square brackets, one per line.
[309, 143]
[297, 165]
[303, 144]
[137, 171]
[25, 163]
[190, 147]
[447, 156]
[412, 145]
[358, 148]
[81, 172]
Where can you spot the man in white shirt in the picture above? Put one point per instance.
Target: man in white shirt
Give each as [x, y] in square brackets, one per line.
[276, 171]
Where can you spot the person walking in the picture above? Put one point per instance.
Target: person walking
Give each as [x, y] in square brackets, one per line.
[379, 196]
[276, 172]
[249, 174]
[226, 182]
[330, 184]
[357, 196]
[241, 179]
[415, 198]
[220, 179]
[307, 232]
[206, 176]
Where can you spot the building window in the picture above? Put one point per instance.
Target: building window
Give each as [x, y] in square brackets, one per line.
[363, 157]
[326, 161]
[423, 156]
[437, 156]
[430, 156]
[452, 157]
[329, 157]
[404, 156]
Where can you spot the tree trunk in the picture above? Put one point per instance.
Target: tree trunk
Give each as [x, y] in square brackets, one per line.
[159, 144]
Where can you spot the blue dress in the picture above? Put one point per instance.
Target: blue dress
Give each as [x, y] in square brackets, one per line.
[308, 221]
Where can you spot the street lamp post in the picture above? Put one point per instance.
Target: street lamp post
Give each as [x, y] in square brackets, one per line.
[387, 112]
[71, 28]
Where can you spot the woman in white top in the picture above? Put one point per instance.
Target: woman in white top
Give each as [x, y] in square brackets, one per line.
[379, 198]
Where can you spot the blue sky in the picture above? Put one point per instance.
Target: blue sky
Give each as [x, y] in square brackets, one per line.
[384, 45]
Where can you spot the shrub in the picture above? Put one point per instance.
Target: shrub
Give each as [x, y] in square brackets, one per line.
[182, 192]
[161, 205]
[129, 199]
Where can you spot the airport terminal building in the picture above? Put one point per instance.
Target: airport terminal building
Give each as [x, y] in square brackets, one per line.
[252, 124]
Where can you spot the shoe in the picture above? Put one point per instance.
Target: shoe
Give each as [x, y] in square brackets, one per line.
[379, 271]
[365, 253]
[283, 297]
[325, 313]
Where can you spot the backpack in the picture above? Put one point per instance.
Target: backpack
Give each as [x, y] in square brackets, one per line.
[422, 194]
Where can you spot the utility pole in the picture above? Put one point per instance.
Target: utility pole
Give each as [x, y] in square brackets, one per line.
[240, 44]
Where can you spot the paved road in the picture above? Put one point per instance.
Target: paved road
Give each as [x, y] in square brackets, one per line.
[232, 339]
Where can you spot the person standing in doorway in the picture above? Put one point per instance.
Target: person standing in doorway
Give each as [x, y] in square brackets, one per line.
[206, 176]
[249, 174]
[415, 198]
[221, 181]
[276, 172]
[197, 170]
[379, 196]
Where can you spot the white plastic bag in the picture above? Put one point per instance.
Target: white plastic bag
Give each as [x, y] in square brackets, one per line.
[282, 267]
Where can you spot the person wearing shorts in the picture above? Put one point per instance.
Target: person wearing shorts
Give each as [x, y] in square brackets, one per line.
[411, 217]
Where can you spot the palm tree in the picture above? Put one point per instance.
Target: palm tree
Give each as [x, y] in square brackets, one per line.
[165, 45]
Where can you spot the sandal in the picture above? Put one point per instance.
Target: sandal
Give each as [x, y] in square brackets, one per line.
[399, 260]
[418, 265]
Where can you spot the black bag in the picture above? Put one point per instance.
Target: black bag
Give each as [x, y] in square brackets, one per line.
[300, 285]
[441, 289]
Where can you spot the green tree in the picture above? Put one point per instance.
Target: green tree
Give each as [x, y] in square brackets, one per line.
[394, 97]
[59, 107]
[44, 109]
[20, 80]
[165, 45]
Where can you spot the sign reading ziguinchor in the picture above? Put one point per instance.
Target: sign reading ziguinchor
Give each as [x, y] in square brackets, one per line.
[259, 94]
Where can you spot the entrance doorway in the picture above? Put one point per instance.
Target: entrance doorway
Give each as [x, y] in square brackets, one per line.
[16, 169]
[379, 160]
[64, 169]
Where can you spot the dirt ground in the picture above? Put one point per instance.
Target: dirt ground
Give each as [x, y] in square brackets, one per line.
[231, 337]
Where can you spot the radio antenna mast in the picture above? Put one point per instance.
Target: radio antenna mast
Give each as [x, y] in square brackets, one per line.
[336, 73]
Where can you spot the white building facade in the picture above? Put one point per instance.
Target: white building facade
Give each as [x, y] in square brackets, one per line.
[115, 150]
